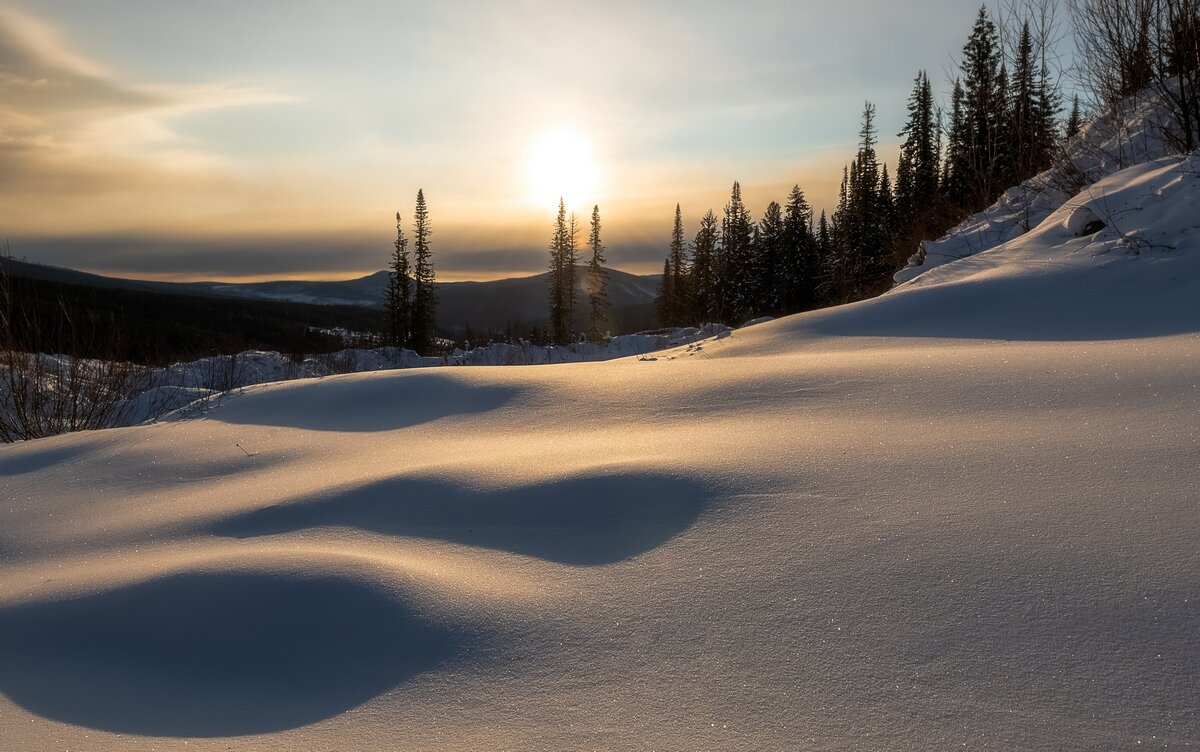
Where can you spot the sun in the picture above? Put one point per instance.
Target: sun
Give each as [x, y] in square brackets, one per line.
[561, 164]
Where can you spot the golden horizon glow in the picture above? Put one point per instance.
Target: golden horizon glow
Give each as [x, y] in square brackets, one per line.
[562, 165]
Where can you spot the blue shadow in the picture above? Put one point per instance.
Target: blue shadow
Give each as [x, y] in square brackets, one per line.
[582, 521]
[384, 402]
[210, 655]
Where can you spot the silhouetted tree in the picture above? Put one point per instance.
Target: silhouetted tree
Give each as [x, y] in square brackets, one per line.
[560, 292]
[1074, 121]
[597, 283]
[666, 295]
[799, 255]
[705, 274]
[737, 263]
[771, 290]
[399, 291]
[424, 306]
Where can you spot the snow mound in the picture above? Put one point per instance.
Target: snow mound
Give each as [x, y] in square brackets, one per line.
[1109, 143]
[1137, 276]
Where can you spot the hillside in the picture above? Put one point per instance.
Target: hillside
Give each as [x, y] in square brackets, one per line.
[502, 306]
[963, 514]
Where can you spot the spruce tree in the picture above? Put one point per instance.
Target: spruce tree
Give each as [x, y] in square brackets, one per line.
[838, 261]
[704, 277]
[799, 258]
[399, 291]
[770, 271]
[678, 308]
[424, 306]
[737, 269]
[666, 295]
[956, 177]
[824, 262]
[560, 322]
[1047, 108]
[887, 219]
[570, 281]
[1023, 109]
[864, 222]
[597, 283]
[984, 110]
[1074, 121]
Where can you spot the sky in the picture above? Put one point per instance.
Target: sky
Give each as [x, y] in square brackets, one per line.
[277, 139]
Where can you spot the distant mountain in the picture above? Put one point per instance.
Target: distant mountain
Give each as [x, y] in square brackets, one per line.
[518, 304]
[504, 306]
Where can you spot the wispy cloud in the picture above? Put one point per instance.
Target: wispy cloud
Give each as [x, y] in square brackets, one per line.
[71, 131]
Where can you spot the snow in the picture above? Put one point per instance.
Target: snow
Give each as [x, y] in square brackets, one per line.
[1111, 142]
[963, 514]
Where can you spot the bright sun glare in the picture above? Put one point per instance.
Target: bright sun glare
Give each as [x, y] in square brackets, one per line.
[561, 164]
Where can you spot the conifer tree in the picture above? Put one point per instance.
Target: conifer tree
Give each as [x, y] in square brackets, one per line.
[823, 241]
[597, 283]
[770, 272]
[1003, 159]
[424, 306]
[737, 267]
[666, 295]
[680, 296]
[984, 110]
[399, 291]
[865, 228]
[838, 262]
[800, 269]
[1074, 121]
[1046, 119]
[704, 276]
[1024, 107]
[917, 181]
[887, 216]
[570, 283]
[560, 306]
[957, 166]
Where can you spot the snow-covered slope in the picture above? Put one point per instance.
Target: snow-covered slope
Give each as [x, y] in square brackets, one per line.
[961, 515]
[1129, 135]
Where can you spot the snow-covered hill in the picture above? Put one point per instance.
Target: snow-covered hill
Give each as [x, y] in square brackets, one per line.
[962, 515]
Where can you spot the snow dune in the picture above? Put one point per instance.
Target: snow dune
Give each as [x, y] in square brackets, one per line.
[962, 514]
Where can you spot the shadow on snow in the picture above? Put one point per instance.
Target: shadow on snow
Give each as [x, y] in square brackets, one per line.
[208, 655]
[583, 521]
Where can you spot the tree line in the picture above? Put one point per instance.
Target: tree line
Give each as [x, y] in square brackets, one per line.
[1002, 128]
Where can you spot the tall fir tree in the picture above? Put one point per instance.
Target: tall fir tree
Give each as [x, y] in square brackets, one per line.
[560, 294]
[680, 296]
[1024, 107]
[1074, 120]
[799, 258]
[424, 306]
[597, 283]
[984, 110]
[887, 217]
[1046, 119]
[399, 291]
[571, 283]
[956, 176]
[705, 273]
[665, 300]
[823, 240]
[771, 274]
[737, 262]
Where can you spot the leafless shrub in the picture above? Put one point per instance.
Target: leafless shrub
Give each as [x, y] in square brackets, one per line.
[43, 395]
[1128, 48]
